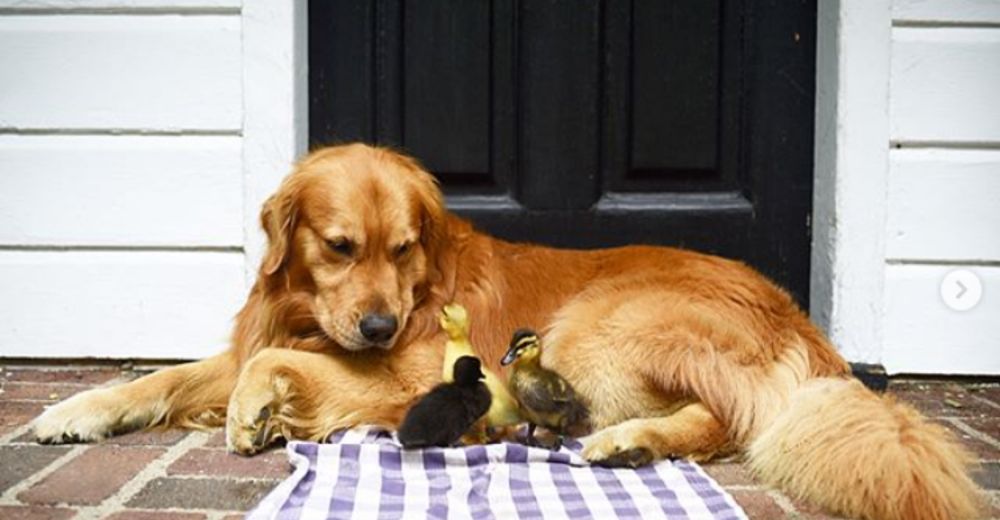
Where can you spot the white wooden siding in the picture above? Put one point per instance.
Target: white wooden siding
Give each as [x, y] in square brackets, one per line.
[943, 205]
[923, 335]
[943, 186]
[115, 5]
[135, 304]
[150, 72]
[122, 183]
[946, 12]
[121, 191]
[944, 85]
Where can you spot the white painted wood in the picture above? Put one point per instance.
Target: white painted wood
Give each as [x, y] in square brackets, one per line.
[945, 85]
[174, 305]
[275, 131]
[121, 190]
[120, 72]
[944, 204]
[852, 135]
[118, 5]
[922, 335]
[946, 11]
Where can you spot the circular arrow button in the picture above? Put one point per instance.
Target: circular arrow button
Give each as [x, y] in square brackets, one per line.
[961, 290]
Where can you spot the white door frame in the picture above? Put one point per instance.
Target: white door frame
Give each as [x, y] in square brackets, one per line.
[275, 107]
[851, 167]
[851, 174]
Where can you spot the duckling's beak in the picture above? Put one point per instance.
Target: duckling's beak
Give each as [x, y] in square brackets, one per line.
[509, 357]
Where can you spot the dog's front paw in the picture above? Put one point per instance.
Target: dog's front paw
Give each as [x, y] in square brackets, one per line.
[85, 417]
[615, 447]
[250, 422]
[247, 435]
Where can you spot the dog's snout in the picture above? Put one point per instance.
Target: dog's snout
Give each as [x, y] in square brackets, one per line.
[378, 328]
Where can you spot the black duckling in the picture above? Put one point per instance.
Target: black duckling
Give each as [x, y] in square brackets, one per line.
[546, 398]
[444, 414]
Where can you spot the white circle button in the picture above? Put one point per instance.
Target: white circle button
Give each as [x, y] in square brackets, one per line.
[961, 290]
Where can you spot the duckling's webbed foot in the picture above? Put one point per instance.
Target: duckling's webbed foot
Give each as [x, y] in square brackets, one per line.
[554, 442]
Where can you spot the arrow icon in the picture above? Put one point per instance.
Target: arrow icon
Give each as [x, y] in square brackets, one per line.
[961, 290]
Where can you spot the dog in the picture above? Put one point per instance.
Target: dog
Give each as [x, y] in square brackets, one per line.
[676, 353]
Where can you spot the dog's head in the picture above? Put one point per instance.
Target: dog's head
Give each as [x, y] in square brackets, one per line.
[357, 227]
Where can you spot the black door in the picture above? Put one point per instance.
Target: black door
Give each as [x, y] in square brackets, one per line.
[585, 123]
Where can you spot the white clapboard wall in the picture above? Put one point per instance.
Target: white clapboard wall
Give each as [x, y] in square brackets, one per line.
[127, 205]
[943, 185]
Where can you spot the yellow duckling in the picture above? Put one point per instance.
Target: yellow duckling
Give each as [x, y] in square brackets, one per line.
[546, 398]
[455, 322]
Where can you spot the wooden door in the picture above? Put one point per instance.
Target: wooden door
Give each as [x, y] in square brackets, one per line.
[584, 123]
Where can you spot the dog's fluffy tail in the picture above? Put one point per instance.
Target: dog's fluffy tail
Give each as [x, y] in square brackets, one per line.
[840, 446]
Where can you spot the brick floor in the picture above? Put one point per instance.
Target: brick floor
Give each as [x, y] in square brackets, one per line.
[178, 475]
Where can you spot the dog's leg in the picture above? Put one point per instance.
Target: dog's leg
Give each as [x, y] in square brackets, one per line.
[190, 395]
[692, 432]
[306, 395]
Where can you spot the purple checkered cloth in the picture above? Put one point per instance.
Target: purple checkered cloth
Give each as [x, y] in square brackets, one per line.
[364, 473]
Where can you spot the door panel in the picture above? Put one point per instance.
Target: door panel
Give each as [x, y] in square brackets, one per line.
[588, 123]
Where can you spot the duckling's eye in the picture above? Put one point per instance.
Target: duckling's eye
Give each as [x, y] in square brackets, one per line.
[340, 246]
[403, 249]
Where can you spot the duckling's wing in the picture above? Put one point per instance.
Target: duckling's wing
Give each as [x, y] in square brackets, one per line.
[546, 394]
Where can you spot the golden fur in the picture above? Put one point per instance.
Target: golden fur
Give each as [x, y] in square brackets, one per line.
[676, 353]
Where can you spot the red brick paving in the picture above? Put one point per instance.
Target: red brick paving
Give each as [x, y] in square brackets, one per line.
[202, 493]
[218, 463]
[40, 391]
[132, 514]
[84, 376]
[758, 504]
[729, 474]
[16, 413]
[192, 477]
[35, 513]
[20, 462]
[91, 477]
[154, 437]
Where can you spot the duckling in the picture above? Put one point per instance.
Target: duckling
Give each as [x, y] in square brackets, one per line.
[444, 414]
[454, 320]
[546, 398]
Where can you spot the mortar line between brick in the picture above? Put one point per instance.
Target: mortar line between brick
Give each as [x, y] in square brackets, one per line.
[973, 432]
[10, 496]
[53, 383]
[743, 487]
[155, 469]
[986, 401]
[783, 502]
[9, 437]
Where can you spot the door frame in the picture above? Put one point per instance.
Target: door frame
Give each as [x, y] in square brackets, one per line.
[275, 108]
[850, 171]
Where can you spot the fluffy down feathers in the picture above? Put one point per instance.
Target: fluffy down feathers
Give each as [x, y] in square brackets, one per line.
[445, 413]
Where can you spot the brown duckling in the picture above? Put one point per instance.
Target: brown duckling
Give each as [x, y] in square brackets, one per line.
[546, 398]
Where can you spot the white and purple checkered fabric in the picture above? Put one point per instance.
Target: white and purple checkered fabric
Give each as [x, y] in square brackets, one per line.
[364, 473]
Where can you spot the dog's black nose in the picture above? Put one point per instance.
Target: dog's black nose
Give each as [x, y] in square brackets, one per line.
[378, 328]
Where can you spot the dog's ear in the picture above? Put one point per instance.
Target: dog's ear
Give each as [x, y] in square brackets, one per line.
[278, 220]
[429, 201]
[432, 209]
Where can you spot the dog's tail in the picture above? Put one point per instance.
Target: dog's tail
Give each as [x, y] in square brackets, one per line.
[828, 440]
[840, 446]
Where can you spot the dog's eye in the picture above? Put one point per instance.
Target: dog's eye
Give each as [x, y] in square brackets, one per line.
[341, 246]
[402, 249]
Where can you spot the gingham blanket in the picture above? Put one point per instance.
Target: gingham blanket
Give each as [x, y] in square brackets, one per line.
[364, 473]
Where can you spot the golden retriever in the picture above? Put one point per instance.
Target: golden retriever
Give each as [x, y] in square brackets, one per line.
[677, 354]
